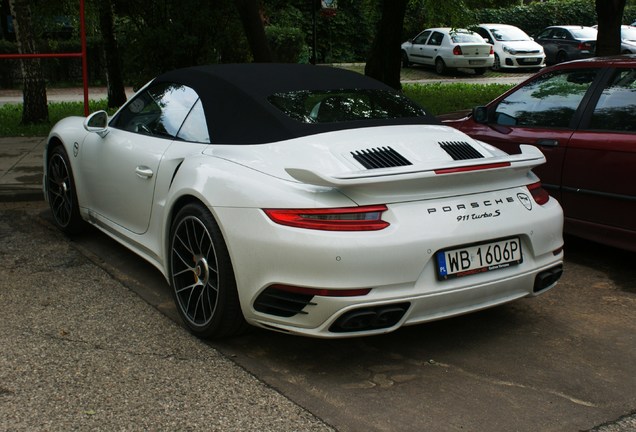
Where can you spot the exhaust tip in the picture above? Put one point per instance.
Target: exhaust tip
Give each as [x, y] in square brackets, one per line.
[547, 278]
[371, 318]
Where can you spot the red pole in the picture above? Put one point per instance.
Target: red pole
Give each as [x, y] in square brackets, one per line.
[84, 61]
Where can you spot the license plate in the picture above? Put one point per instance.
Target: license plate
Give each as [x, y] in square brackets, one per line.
[476, 62]
[479, 258]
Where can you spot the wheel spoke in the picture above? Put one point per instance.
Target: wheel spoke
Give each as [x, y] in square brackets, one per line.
[193, 256]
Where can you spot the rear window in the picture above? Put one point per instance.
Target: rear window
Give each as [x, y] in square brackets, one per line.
[584, 33]
[466, 37]
[333, 106]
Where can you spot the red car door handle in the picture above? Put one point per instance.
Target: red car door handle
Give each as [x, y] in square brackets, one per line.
[548, 143]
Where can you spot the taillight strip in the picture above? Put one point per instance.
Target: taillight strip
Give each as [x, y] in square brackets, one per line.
[365, 218]
[322, 291]
[472, 168]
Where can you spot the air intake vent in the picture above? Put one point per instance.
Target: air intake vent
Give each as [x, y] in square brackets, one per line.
[282, 303]
[384, 157]
[460, 150]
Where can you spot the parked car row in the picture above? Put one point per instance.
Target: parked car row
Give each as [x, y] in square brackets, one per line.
[582, 116]
[510, 47]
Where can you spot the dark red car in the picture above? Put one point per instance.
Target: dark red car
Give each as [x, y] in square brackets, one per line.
[582, 115]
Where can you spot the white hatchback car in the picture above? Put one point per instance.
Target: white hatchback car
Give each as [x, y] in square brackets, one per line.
[513, 48]
[447, 48]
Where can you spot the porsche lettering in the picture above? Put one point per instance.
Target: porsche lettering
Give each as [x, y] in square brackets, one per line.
[471, 205]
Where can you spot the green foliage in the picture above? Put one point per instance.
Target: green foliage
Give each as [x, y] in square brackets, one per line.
[287, 44]
[343, 37]
[421, 14]
[156, 36]
[442, 98]
[11, 115]
[534, 17]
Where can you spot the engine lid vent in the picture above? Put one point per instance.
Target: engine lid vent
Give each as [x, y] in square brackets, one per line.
[383, 157]
[460, 150]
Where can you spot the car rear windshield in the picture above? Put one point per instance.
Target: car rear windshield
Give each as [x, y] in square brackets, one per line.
[584, 33]
[465, 37]
[332, 106]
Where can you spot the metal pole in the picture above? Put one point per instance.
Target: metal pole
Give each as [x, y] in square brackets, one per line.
[84, 60]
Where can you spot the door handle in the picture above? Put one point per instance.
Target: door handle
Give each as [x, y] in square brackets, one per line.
[143, 172]
[548, 143]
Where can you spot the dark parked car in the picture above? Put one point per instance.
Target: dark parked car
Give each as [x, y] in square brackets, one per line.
[582, 115]
[563, 43]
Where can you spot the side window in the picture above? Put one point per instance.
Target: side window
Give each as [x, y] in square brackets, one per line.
[484, 33]
[616, 108]
[157, 111]
[549, 101]
[421, 38]
[195, 128]
[545, 34]
[436, 39]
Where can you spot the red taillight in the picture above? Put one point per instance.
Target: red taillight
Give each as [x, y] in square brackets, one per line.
[322, 291]
[492, 51]
[367, 218]
[457, 50]
[540, 195]
[584, 46]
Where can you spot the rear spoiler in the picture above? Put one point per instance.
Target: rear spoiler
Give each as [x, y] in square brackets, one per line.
[529, 158]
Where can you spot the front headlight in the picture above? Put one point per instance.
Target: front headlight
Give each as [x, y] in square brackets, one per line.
[509, 50]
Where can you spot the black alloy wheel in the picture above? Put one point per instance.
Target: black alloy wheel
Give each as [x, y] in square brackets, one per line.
[61, 195]
[201, 275]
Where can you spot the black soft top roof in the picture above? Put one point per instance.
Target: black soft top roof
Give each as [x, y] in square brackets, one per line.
[234, 99]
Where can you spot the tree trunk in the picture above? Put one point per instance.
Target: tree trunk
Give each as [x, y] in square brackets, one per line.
[250, 13]
[114, 80]
[35, 108]
[610, 16]
[384, 61]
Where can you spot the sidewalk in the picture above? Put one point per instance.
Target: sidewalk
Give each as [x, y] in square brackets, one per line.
[21, 168]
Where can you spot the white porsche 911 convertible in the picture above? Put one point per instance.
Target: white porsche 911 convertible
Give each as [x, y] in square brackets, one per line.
[304, 199]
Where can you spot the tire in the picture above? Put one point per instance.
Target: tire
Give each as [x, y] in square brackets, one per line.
[561, 57]
[440, 66]
[497, 64]
[210, 306]
[405, 60]
[480, 71]
[61, 193]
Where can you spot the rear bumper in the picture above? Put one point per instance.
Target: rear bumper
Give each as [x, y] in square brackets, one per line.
[397, 264]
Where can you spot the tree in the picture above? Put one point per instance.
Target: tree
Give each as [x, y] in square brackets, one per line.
[114, 80]
[610, 16]
[384, 59]
[250, 13]
[35, 108]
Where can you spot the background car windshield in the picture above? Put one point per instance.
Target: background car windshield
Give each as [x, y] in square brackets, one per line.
[344, 105]
[509, 34]
[549, 101]
[461, 37]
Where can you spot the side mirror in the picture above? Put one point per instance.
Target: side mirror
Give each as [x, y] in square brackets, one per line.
[97, 123]
[480, 114]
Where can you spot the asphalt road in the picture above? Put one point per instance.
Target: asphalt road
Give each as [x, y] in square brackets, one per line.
[563, 361]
